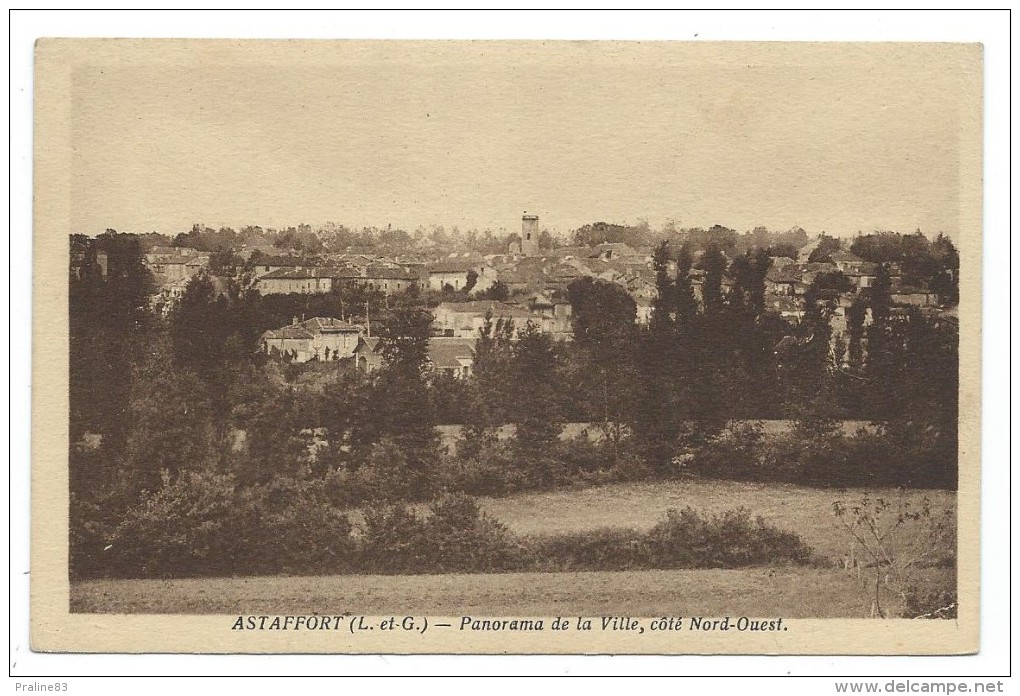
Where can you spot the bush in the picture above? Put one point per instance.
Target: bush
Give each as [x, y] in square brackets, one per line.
[290, 526]
[490, 467]
[892, 541]
[89, 534]
[686, 539]
[393, 541]
[183, 529]
[491, 470]
[734, 453]
[580, 455]
[459, 537]
[602, 462]
[203, 524]
[455, 537]
[385, 474]
[815, 453]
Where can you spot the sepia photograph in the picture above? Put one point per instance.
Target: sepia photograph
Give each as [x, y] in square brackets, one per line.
[508, 346]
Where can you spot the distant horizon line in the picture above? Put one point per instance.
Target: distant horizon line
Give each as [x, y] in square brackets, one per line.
[555, 231]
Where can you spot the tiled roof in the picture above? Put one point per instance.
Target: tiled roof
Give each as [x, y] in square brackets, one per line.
[368, 344]
[618, 248]
[451, 266]
[844, 256]
[284, 261]
[476, 306]
[311, 327]
[578, 251]
[784, 274]
[173, 251]
[449, 352]
[303, 272]
[819, 266]
[387, 273]
[165, 259]
[162, 256]
[292, 332]
[330, 325]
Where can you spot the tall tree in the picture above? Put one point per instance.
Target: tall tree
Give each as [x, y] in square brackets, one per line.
[201, 326]
[749, 271]
[401, 404]
[664, 304]
[604, 337]
[685, 302]
[537, 411]
[603, 315]
[855, 316]
[405, 341]
[713, 262]
[109, 320]
[880, 294]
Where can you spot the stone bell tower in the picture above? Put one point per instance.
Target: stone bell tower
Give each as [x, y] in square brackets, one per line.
[529, 234]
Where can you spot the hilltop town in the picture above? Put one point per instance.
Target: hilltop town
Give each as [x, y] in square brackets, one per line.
[527, 282]
[232, 394]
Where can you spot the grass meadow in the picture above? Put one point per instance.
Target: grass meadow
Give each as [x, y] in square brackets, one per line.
[823, 589]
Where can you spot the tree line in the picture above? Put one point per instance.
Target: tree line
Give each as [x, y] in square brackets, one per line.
[189, 401]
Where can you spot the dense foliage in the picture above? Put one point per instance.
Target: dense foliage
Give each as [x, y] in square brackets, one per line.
[186, 439]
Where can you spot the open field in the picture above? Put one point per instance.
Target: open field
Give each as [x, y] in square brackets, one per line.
[806, 511]
[758, 592]
[798, 592]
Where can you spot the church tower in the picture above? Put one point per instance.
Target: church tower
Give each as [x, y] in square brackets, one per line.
[529, 235]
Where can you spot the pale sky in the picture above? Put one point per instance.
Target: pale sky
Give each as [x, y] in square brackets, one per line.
[839, 138]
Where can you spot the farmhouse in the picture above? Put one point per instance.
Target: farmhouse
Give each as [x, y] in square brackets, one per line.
[319, 338]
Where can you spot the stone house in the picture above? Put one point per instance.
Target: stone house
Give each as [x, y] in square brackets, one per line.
[465, 319]
[319, 338]
[454, 272]
[172, 265]
[305, 280]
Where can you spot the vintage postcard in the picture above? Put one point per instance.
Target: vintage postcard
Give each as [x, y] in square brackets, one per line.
[506, 347]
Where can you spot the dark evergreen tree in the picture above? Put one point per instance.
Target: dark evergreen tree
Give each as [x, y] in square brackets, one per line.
[713, 262]
[855, 316]
[604, 339]
[537, 410]
[664, 304]
[686, 304]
